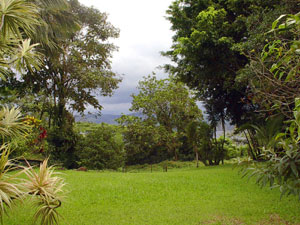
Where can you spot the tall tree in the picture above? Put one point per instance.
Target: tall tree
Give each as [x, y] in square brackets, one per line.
[210, 40]
[80, 68]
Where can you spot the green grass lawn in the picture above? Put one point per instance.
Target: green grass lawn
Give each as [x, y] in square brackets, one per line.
[207, 195]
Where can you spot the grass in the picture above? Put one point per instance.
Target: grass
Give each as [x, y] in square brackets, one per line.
[207, 195]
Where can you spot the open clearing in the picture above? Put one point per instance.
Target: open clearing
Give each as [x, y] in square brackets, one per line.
[207, 195]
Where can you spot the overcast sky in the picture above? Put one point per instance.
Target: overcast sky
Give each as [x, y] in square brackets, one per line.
[144, 32]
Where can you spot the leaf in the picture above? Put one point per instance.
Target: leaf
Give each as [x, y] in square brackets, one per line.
[294, 168]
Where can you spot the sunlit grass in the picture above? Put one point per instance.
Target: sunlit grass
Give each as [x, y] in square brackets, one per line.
[208, 195]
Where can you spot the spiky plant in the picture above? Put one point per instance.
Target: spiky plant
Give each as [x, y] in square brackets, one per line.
[46, 187]
[11, 123]
[9, 187]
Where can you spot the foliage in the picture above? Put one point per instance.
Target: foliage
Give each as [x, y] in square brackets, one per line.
[35, 142]
[18, 17]
[11, 123]
[280, 63]
[14, 126]
[76, 70]
[209, 150]
[86, 127]
[234, 151]
[101, 148]
[46, 187]
[282, 168]
[262, 135]
[8, 186]
[168, 105]
[209, 46]
[275, 71]
[62, 144]
[143, 142]
[193, 138]
[79, 70]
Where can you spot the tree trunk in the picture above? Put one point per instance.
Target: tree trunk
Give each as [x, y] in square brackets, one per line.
[175, 155]
[49, 122]
[224, 133]
[256, 151]
[250, 151]
[197, 159]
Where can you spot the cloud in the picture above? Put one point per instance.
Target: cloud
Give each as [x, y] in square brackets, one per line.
[144, 32]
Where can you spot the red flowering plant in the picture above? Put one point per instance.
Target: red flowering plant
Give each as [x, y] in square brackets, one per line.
[36, 140]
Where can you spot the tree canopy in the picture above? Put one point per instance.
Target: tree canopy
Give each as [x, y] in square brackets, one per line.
[166, 107]
[81, 68]
[209, 45]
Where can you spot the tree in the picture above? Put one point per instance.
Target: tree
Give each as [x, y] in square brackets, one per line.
[76, 69]
[275, 80]
[80, 69]
[209, 45]
[169, 105]
[210, 151]
[143, 141]
[194, 137]
[262, 135]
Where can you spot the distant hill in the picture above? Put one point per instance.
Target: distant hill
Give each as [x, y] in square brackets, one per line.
[110, 119]
[104, 118]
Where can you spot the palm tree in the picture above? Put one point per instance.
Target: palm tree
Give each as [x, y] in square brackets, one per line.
[17, 18]
[57, 24]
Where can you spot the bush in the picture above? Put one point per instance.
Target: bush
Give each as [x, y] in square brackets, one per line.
[232, 150]
[101, 148]
[62, 142]
[283, 166]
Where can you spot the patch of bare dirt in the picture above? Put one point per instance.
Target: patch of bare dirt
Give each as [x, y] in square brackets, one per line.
[222, 220]
[275, 219]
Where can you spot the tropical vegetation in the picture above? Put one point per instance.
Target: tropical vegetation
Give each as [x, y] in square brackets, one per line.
[240, 59]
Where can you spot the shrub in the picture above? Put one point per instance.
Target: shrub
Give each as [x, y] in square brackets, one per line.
[101, 148]
[232, 150]
[62, 143]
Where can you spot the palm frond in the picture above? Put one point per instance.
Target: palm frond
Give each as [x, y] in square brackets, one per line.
[27, 57]
[17, 15]
[52, 4]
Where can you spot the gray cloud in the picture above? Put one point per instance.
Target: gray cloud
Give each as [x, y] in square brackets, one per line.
[144, 32]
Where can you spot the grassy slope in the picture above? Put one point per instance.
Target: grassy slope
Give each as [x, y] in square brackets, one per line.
[215, 195]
